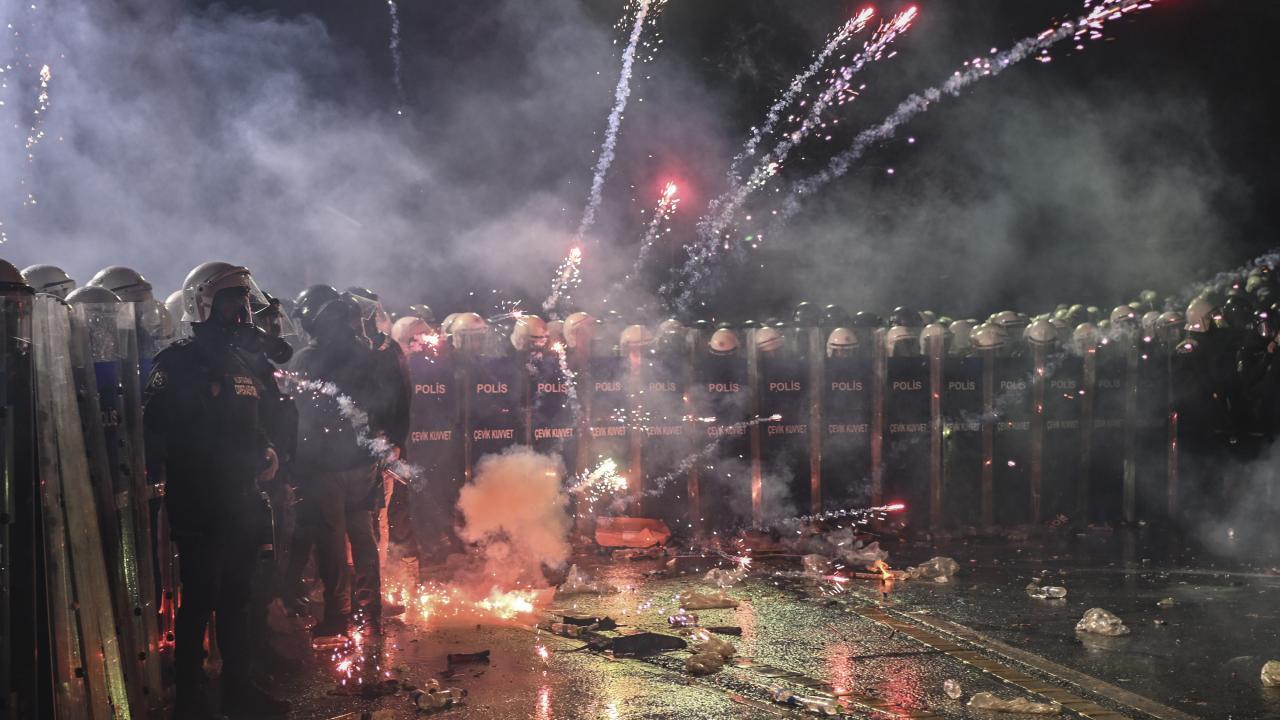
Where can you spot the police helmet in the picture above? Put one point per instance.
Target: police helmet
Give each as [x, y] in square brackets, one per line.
[1012, 322]
[1085, 336]
[310, 301]
[905, 317]
[422, 310]
[1199, 315]
[92, 295]
[579, 328]
[723, 342]
[125, 282]
[902, 341]
[960, 336]
[467, 331]
[200, 288]
[842, 342]
[1124, 315]
[1169, 326]
[834, 316]
[1041, 333]
[410, 333]
[769, 340]
[935, 335]
[670, 325]
[806, 314]
[49, 279]
[635, 336]
[1149, 319]
[988, 336]
[529, 333]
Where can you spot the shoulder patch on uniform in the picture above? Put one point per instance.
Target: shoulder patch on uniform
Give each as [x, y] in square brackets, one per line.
[159, 379]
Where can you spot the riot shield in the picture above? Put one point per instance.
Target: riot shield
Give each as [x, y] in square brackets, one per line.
[496, 403]
[666, 441]
[151, 550]
[552, 404]
[1011, 453]
[1106, 464]
[608, 414]
[110, 375]
[1152, 414]
[1063, 399]
[721, 399]
[846, 430]
[435, 446]
[783, 387]
[962, 441]
[24, 691]
[88, 668]
[907, 437]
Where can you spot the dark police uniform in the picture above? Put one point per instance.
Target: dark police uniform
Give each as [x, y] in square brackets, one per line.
[204, 419]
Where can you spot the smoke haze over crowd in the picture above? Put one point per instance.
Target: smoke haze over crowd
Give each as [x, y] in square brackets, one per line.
[266, 133]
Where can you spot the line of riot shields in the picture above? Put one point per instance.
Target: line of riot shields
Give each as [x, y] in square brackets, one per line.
[87, 577]
[721, 429]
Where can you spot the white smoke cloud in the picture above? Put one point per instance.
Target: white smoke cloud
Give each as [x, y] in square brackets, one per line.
[515, 512]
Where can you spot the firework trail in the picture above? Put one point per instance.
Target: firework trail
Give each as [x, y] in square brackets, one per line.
[1088, 26]
[706, 451]
[570, 380]
[568, 276]
[837, 40]
[721, 211]
[620, 95]
[382, 450]
[667, 204]
[569, 273]
[394, 47]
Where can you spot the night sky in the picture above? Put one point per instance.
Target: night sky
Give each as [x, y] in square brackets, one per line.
[990, 207]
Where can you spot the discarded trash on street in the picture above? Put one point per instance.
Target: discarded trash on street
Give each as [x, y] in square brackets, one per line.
[596, 622]
[858, 555]
[1166, 603]
[987, 701]
[1271, 673]
[939, 569]
[704, 664]
[631, 532]
[1047, 592]
[722, 578]
[697, 600]
[1101, 622]
[433, 697]
[637, 644]
[683, 619]
[820, 705]
[952, 689]
[704, 642]
[579, 583]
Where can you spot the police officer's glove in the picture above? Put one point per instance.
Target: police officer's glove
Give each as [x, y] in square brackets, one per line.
[273, 465]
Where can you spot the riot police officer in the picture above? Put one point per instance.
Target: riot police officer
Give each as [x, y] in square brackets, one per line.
[207, 433]
[339, 478]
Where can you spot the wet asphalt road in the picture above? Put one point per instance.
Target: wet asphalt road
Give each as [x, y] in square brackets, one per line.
[1201, 660]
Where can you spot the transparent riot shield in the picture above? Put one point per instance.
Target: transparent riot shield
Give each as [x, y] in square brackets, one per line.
[435, 445]
[721, 401]
[907, 437]
[103, 334]
[496, 402]
[1108, 431]
[962, 458]
[782, 464]
[846, 433]
[608, 416]
[23, 691]
[1011, 452]
[89, 675]
[660, 410]
[1151, 428]
[1063, 400]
